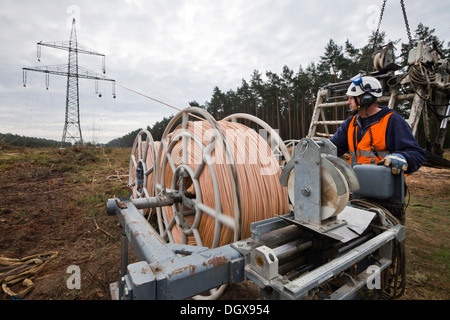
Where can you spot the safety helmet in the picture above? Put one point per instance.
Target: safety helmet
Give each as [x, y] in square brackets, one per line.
[361, 85]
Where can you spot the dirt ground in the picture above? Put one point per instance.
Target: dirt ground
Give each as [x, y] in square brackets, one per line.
[427, 240]
[55, 201]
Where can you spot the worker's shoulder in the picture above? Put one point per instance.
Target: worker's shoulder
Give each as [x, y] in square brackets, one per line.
[395, 119]
[393, 114]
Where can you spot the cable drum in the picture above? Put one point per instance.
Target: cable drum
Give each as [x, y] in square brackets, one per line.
[227, 170]
[142, 165]
[180, 168]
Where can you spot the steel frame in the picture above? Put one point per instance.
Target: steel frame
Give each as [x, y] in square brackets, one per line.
[167, 271]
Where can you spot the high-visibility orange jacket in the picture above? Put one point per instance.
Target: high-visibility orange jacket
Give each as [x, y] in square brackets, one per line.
[372, 147]
[390, 132]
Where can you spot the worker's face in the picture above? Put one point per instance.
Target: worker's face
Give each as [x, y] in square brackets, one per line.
[352, 103]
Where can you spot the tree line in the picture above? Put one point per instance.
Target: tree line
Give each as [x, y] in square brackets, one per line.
[286, 100]
[29, 142]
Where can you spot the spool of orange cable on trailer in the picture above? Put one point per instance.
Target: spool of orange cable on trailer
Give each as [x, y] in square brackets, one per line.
[227, 170]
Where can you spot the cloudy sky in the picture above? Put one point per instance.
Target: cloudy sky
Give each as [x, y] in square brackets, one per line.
[175, 51]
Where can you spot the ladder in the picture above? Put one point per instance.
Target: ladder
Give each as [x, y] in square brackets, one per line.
[323, 103]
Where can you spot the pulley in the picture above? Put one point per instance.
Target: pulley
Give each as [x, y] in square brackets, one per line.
[334, 191]
[319, 183]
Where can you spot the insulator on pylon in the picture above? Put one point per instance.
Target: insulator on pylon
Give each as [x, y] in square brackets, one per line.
[47, 80]
[38, 53]
[97, 91]
[24, 78]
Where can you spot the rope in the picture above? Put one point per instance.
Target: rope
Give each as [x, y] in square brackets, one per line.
[148, 97]
[159, 101]
[13, 271]
[258, 171]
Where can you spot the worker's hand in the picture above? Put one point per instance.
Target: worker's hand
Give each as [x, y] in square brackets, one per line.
[396, 161]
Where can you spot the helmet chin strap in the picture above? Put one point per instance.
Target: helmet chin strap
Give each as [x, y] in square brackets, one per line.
[357, 103]
[358, 107]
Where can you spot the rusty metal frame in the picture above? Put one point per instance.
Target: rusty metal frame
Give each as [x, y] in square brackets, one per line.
[167, 270]
[170, 271]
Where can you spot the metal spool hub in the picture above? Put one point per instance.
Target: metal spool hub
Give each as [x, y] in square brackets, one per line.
[181, 171]
[142, 165]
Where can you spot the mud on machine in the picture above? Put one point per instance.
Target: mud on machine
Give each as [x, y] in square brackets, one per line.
[332, 243]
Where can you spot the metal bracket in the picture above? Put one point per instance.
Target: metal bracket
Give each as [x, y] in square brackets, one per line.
[308, 160]
[264, 262]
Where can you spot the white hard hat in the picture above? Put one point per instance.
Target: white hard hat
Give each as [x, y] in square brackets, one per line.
[361, 85]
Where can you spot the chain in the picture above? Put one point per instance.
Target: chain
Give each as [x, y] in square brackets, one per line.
[379, 24]
[406, 22]
[378, 29]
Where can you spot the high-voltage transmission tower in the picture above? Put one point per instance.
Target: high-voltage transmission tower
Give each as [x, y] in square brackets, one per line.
[72, 128]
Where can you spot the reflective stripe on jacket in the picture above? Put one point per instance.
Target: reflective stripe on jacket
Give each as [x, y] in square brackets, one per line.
[361, 152]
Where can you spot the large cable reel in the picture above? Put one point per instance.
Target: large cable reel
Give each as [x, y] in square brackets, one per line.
[142, 165]
[185, 162]
[197, 164]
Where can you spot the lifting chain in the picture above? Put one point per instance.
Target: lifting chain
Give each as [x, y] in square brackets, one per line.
[406, 22]
[402, 3]
[379, 24]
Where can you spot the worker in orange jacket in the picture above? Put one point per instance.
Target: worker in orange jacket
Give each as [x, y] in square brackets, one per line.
[376, 134]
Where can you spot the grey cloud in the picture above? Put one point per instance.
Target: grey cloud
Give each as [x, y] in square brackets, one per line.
[175, 51]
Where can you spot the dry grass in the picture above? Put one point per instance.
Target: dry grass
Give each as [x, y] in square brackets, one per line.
[56, 201]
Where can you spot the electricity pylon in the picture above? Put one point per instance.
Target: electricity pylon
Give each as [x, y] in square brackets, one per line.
[72, 127]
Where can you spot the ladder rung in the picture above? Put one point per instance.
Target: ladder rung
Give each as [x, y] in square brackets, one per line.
[332, 104]
[328, 122]
[322, 134]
